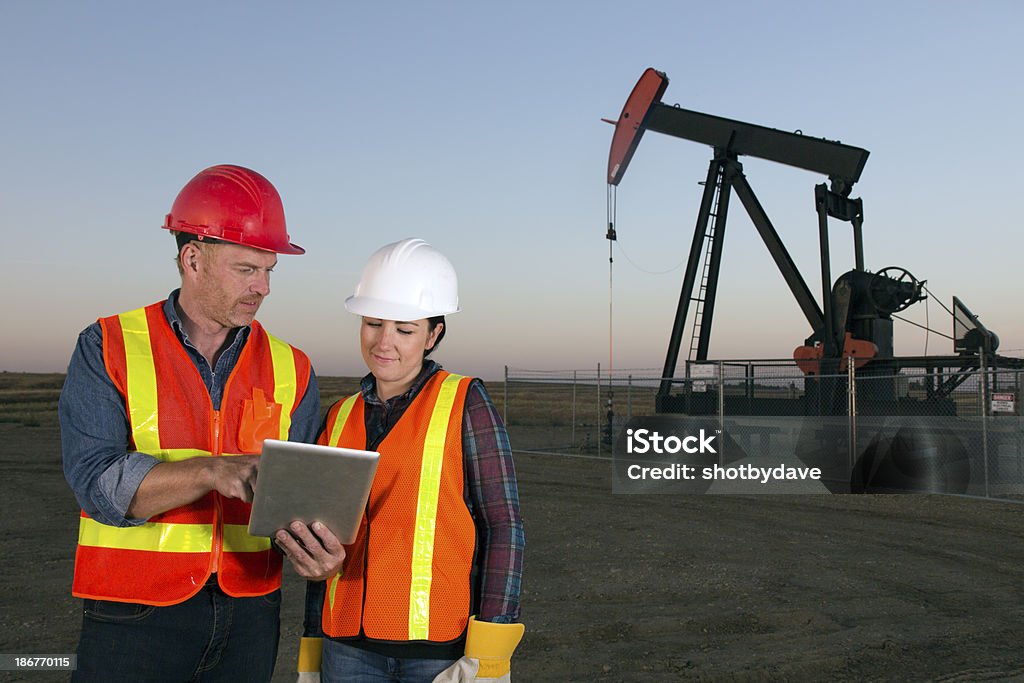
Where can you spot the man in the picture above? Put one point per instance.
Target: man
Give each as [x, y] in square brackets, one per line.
[155, 400]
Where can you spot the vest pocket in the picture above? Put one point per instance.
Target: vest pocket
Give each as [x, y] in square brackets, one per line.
[261, 419]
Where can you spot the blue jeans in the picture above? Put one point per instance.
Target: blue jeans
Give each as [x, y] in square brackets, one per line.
[344, 664]
[209, 637]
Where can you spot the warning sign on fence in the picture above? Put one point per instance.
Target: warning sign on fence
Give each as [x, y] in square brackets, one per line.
[1003, 402]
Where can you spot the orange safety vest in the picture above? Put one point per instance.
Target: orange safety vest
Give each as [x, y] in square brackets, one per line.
[167, 559]
[407, 575]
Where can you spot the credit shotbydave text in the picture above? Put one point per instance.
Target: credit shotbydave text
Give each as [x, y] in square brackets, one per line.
[719, 473]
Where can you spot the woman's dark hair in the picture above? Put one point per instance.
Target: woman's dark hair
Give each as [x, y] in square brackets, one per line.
[431, 324]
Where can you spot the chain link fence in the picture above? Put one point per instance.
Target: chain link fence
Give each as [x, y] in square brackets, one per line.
[938, 429]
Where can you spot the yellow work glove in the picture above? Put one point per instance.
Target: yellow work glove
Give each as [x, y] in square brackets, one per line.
[310, 651]
[488, 657]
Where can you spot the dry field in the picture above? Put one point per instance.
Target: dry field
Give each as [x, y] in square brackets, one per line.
[636, 588]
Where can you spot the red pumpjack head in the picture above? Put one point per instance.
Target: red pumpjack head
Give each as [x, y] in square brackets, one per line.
[630, 126]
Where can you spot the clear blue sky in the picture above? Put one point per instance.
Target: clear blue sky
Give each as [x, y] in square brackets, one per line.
[475, 125]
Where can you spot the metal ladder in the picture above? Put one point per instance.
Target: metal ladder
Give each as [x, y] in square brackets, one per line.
[709, 237]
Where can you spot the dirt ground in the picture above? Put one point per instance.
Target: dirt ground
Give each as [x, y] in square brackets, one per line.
[653, 588]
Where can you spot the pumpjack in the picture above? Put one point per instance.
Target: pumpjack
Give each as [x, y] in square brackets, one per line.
[853, 322]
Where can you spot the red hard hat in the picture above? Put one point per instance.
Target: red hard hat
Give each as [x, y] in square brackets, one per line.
[233, 204]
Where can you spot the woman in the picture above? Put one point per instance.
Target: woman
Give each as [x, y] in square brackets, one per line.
[442, 537]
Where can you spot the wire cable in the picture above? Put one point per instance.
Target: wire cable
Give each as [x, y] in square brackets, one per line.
[644, 270]
[929, 293]
[612, 238]
[911, 322]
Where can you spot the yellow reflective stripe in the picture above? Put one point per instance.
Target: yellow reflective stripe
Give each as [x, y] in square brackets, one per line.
[285, 381]
[333, 440]
[339, 422]
[163, 537]
[238, 540]
[178, 454]
[333, 581]
[152, 536]
[426, 510]
[141, 380]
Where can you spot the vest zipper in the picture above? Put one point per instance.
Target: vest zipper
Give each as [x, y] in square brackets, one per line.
[218, 531]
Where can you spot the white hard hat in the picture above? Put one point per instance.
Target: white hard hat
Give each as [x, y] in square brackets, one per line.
[406, 280]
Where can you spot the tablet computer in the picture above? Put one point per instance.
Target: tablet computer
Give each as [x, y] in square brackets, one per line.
[308, 483]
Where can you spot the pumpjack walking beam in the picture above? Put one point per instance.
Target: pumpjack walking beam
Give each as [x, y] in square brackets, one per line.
[730, 139]
[843, 164]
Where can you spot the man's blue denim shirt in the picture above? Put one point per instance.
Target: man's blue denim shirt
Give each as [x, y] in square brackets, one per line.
[94, 427]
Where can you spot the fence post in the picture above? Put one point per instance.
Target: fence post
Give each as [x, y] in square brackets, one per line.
[505, 417]
[1018, 398]
[629, 397]
[982, 388]
[851, 408]
[598, 410]
[573, 409]
[749, 373]
[721, 412]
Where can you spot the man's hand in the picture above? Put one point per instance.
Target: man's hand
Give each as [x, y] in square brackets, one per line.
[235, 476]
[314, 551]
[173, 484]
